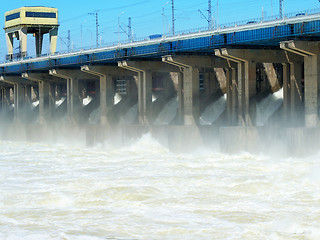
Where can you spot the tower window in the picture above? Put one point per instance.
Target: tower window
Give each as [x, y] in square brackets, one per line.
[13, 16]
[41, 14]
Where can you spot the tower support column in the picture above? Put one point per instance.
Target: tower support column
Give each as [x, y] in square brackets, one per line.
[23, 41]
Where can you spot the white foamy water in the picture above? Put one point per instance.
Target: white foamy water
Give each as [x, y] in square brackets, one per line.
[268, 106]
[213, 111]
[168, 113]
[144, 191]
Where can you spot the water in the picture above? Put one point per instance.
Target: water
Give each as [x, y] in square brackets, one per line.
[143, 191]
[213, 111]
[268, 106]
[168, 113]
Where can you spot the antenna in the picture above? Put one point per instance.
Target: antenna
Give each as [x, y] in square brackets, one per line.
[97, 26]
[172, 2]
[280, 8]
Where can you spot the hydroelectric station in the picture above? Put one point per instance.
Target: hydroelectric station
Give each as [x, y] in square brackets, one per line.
[246, 87]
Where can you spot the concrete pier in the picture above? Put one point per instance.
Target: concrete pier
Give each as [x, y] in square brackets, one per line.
[246, 76]
[47, 94]
[74, 98]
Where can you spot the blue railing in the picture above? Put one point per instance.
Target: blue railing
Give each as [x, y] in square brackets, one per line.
[206, 42]
[194, 30]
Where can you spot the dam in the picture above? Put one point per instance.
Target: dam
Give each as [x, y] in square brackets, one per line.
[245, 87]
[204, 134]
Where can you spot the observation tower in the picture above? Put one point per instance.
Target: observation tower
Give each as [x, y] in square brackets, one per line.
[31, 20]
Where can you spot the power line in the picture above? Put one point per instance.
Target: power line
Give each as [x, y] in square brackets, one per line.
[107, 9]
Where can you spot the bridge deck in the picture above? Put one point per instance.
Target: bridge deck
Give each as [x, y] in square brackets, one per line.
[250, 35]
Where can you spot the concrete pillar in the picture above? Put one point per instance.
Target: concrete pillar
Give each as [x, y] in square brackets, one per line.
[190, 65]
[311, 87]
[74, 102]
[1, 99]
[177, 79]
[23, 41]
[107, 89]
[144, 96]
[246, 66]
[106, 97]
[296, 89]
[272, 76]
[19, 97]
[191, 96]
[250, 92]
[246, 93]
[46, 95]
[53, 40]
[44, 88]
[18, 102]
[241, 93]
[39, 41]
[9, 40]
[234, 94]
[310, 52]
[221, 78]
[147, 95]
[229, 95]
[73, 97]
[286, 92]
[52, 98]
[27, 94]
[144, 76]
[6, 102]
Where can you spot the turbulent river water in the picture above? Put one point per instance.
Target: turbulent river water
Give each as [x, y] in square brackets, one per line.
[144, 191]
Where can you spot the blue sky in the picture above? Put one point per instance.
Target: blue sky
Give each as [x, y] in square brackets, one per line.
[146, 17]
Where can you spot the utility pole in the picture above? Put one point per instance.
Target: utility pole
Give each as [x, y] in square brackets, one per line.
[217, 14]
[173, 20]
[163, 20]
[97, 26]
[129, 30]
[210, 25]
[280, 8]
[69, 40]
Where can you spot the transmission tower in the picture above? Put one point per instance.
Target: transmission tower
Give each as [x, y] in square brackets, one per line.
[97, 26]
[130, 30]
[209, 15]
[69, 40]
[173, 20]
[280, 8]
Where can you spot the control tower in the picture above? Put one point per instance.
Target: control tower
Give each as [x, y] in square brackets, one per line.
[35, 20]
